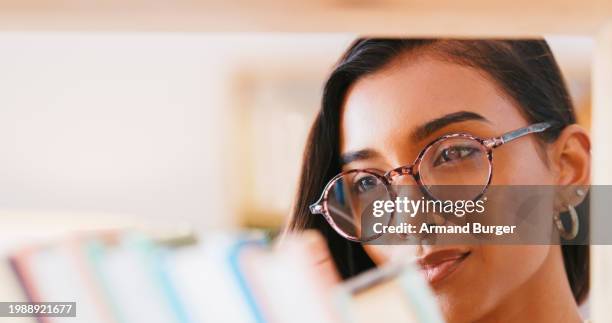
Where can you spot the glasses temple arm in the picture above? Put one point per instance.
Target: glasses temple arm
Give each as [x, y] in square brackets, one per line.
[509, 136]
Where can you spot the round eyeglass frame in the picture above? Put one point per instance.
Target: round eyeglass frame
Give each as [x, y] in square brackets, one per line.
[413, 169]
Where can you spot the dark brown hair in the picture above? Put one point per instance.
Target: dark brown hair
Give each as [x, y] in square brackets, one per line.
[525, 70]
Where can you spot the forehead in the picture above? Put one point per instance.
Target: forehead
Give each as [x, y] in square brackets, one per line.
[386, 106]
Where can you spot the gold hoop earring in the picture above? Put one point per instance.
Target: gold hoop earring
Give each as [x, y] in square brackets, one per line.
[573, 232]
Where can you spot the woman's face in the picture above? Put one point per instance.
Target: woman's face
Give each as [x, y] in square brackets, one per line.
[381, 113]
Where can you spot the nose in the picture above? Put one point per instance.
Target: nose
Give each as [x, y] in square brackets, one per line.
[410, 195]
[407, 190]
[402, 180]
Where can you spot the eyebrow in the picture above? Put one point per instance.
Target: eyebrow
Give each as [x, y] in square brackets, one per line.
[434, 125]
[361, 154]
[418, 134]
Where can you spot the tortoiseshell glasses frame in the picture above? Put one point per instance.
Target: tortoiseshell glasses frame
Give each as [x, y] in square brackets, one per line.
[321, 206]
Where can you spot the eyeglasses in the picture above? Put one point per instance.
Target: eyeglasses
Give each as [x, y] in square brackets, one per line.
[453, 159]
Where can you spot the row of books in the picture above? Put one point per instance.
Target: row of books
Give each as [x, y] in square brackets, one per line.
[224, 277]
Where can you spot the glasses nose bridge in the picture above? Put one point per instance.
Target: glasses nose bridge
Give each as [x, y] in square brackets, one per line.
[400, 171]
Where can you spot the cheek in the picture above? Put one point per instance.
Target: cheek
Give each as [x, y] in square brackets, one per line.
[507, 267]
[381, 254]
[520, 163]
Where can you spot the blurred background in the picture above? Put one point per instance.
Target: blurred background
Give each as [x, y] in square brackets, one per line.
[204, 130]
[170, 116]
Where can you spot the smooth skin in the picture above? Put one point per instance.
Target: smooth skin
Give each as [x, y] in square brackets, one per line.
[494, 283]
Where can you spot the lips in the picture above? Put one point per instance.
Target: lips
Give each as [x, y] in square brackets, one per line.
[438, 265]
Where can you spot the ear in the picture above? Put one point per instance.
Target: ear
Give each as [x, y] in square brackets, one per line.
[571, 160]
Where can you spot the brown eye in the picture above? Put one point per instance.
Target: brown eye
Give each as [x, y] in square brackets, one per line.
[454, 153]
[365, 184]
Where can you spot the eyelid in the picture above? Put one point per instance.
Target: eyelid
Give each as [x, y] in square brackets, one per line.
[375, 170]
[371, 169]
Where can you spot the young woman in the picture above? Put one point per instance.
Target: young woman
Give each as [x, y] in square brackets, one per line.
[387, 99]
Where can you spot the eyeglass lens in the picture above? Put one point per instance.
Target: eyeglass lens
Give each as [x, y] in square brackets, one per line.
[448, 163]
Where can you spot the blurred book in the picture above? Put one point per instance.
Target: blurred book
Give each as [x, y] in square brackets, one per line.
[286, 281]
[57, 273]
[204, 278]
[393, 293]
[128, 270]
[129, 277]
